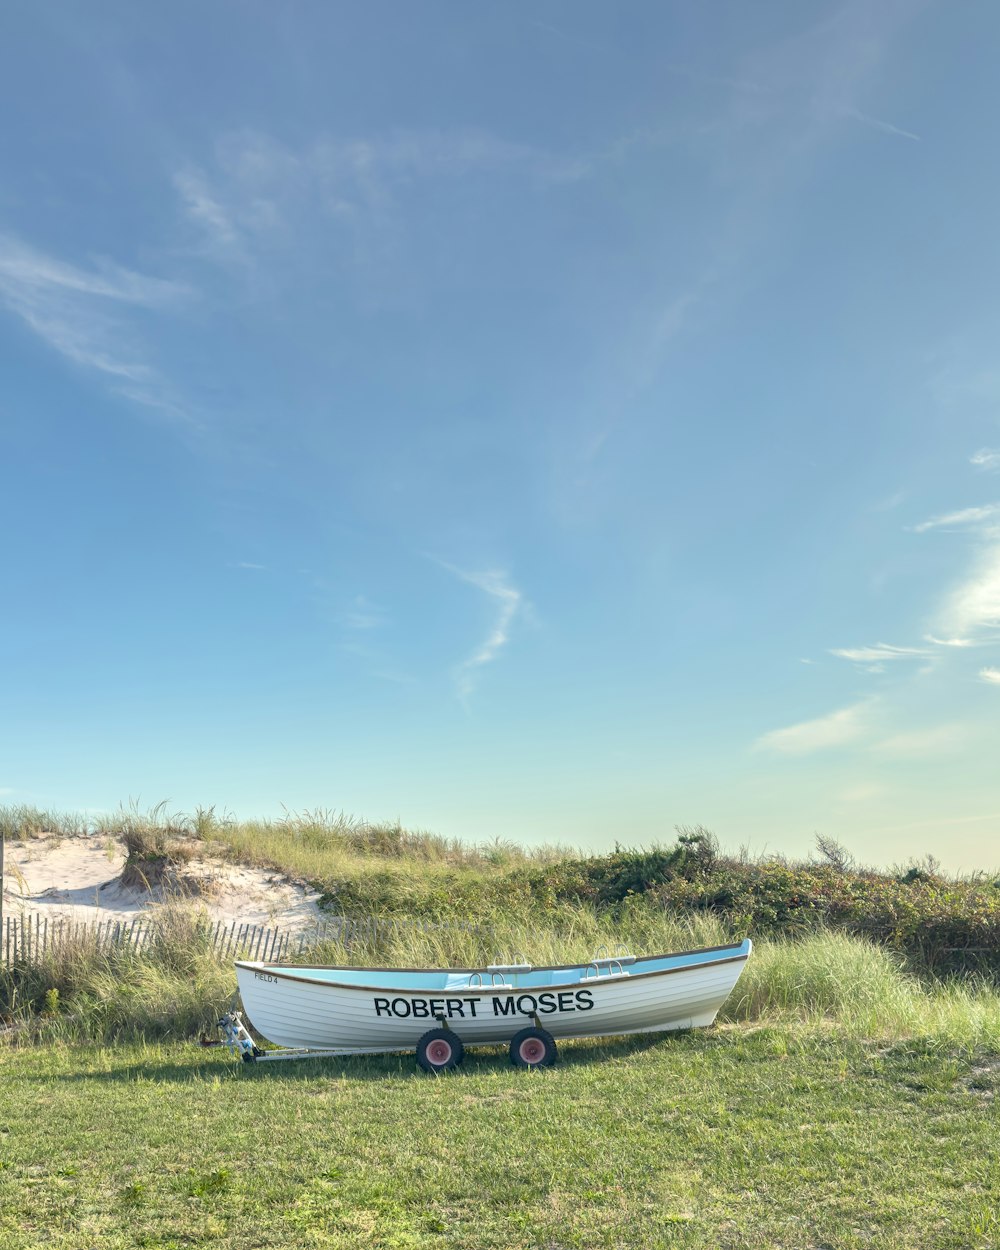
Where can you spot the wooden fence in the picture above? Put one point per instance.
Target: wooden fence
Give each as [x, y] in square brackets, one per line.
[28, 940]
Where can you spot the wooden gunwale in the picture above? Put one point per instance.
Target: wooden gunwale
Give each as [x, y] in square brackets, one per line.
[455, 990]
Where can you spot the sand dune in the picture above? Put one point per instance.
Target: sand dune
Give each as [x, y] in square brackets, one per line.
[79, 878]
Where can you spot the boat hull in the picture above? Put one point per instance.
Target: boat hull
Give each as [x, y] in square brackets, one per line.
[321, 1008]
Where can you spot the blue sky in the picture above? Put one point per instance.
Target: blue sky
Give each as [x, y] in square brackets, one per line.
[556, 421]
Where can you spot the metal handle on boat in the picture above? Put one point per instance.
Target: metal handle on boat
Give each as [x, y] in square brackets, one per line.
[607, 961]
[596, 965]
[601, 957]
[517, 963]
[476, 979]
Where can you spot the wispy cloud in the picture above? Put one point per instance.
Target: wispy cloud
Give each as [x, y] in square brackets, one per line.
[923, 743]
[813, 78]
[247, 564]
[81, 313]
[877, 124]
[819, 77]
[889, 502]
[759, 124]
[951, 642]
[986, 458]
[833, 730]
[962, 381]
[720, 80]
[420, 153]
[509, 602]
[947, 824]
[202, 207]
[396, 679]
[880, 652]
[25, 269]
[963, 518]
[259, 188]
[991, 675]
[362, 614]
[975, 604]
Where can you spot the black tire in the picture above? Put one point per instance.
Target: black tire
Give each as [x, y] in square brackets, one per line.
[533, 1048]
[439, 1050]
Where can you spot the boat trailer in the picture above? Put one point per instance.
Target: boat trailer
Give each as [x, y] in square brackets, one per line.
[439, 1048]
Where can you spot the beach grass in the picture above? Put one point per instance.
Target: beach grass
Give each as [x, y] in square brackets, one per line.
[176, 988]
[940, 923]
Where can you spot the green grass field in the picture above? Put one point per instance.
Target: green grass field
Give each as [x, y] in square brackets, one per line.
[739, 1137]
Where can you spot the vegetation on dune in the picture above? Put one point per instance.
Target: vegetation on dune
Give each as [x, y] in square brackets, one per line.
[178, 987]
[156, 846]
[939, 924]
[21, 820]
[877, 953]
[173, 988]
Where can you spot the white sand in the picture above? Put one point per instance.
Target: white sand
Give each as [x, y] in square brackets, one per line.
[78, 878]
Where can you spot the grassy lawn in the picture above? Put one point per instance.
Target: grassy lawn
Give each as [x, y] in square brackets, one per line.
[738, 1137]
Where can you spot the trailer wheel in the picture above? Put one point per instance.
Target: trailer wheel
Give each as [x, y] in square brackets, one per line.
[533, 1048]
[440, 1049]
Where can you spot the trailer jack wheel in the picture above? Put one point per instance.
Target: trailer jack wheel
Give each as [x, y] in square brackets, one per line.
[533, 1048]
[439, 1050]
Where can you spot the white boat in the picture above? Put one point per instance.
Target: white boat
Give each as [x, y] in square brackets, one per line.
[342, 1010]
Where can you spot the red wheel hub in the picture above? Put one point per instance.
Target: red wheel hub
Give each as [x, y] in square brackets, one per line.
[532, 1050]
[439, 1052]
